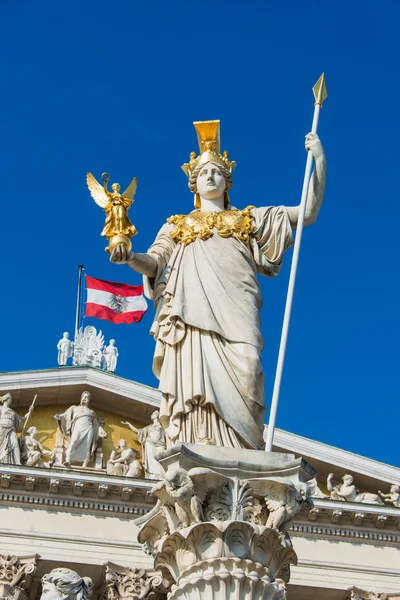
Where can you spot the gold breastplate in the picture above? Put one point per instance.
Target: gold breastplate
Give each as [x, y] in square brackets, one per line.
[228, 223]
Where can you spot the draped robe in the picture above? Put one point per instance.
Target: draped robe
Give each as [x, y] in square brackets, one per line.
[207, 330]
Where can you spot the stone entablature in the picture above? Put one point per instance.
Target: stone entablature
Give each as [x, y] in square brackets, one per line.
[45, 487]
[74, 489]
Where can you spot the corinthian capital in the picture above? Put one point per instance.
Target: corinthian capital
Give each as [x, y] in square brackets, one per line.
[15, 576]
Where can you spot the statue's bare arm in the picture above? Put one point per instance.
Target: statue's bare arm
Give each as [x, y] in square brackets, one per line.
[317, 184]
[145, 264]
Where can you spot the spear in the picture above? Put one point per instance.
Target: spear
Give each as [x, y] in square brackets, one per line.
[320, 94]
[28, 414]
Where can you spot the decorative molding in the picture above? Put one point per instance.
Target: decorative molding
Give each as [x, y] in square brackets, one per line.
[326, 531]
[125, 583]
[83, 505]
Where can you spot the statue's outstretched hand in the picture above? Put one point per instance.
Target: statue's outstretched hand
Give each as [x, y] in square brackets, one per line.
[313, 144]
[121, 255]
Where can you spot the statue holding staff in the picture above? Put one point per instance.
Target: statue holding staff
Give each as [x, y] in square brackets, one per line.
[9, 423]
[201, 272]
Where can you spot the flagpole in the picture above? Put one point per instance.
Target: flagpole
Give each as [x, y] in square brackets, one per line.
[320, 95]
[78, 300]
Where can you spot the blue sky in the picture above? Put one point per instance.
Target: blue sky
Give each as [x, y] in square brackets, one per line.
[115, 87]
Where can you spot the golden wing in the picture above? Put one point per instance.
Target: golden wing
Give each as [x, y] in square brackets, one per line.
[131, 189]
[97, 191]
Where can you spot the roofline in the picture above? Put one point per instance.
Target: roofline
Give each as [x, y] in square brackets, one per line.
[148, 395]
[336, 456]
[80, 376]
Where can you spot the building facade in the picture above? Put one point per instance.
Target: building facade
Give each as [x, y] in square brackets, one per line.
[82, 517]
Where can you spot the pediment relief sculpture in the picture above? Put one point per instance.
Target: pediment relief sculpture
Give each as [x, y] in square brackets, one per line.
[347, 491]
[124, 461]
[81, 431]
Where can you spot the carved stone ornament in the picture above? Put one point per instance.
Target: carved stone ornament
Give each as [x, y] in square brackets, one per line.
[88, 347]
[15, 576]
[221, 520]
[124, 583]
[356, 593]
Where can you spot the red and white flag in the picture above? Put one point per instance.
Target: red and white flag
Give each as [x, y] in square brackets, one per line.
[116, 302]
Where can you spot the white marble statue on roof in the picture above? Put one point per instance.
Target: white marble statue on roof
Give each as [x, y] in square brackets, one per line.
[201, 272]
[65, 349]
[88, 347]
[82, 430]
[110, 354]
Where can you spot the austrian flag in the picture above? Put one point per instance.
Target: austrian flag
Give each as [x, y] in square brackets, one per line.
[116, 302]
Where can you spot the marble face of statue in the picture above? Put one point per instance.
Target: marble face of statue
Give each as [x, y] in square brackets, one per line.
[7, 400]
[49, 591]
[211, 182]
[122, 444]
[85, 399]
[348, 479]
[155, 416]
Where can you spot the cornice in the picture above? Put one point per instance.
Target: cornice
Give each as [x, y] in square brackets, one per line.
[343, 459]
[63, 376]
[74, 490]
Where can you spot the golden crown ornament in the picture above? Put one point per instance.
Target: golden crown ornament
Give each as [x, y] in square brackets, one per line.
[209, 140]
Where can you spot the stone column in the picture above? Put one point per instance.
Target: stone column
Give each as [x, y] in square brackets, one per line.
[16, 576]
[219, 528]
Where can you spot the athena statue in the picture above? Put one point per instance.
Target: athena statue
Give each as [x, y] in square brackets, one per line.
[201, 271]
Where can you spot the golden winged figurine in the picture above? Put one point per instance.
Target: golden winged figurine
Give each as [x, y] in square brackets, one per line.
[117, 229]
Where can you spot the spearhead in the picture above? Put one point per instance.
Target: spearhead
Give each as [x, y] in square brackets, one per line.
[320, 91]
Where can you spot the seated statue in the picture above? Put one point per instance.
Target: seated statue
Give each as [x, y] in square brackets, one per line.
[32, 450]
[347, 491]
[124, 461]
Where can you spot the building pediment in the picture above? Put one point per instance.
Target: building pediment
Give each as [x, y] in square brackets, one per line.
[64, 386]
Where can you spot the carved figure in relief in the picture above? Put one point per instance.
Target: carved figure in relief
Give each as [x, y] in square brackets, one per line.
[124, 461]
[348, 491]
[64, 347]
[110, 354]
[393, 497]
[83, 431]
[315, 491]
[179, 488]
[32, 450]
[9, 424]
[88, 347]
[65, 584]
[152, 439]
[201, 272]
[284, 504]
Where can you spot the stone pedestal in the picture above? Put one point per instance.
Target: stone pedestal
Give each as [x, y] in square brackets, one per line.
[219, 528]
